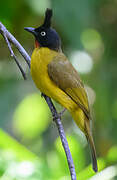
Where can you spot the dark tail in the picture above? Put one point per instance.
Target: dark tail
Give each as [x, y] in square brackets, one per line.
[92, 148]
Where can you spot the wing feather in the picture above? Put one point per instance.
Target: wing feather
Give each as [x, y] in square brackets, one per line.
[64, 75]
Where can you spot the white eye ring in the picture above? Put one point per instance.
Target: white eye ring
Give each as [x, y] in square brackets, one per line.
[43, 33]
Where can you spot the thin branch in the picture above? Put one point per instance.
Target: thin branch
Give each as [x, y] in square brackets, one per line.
[13, 55]
[15, 43]
[56, 117]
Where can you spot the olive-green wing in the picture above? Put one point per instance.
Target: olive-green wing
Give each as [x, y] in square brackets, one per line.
[65, 76]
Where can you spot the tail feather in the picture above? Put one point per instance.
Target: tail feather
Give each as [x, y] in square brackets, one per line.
[84, 124]
[92, 149]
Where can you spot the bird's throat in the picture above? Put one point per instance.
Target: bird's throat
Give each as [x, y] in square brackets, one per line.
[37, 45]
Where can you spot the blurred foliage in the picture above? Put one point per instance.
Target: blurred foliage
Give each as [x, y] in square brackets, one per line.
[31, 116]
[88, 32]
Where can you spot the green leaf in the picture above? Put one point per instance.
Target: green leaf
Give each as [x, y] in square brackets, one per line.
[88, 172]
[11, 145]
[112, 155]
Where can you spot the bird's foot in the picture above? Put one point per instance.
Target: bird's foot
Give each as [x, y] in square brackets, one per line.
[58, 115]
[62, 112]
[55, 117]
[55, 114]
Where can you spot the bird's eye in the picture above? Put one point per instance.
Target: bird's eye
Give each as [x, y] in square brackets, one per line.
[43, 33]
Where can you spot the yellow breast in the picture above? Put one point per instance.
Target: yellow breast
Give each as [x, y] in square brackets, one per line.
[39, 64]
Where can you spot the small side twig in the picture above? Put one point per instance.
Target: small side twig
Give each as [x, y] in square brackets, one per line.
[13, 55]
[10, 38]
[14, 41]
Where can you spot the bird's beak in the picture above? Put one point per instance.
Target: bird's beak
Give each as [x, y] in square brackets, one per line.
[31, 30]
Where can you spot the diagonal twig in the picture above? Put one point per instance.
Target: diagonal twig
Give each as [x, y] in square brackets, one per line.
[14, 41]
[13, 55]
[10, 38]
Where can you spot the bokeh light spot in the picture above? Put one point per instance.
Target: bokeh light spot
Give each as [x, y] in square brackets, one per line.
[39, 7]
[91, 94]
[25, 169]
[82, 61]
[91, 39]
[31, 116]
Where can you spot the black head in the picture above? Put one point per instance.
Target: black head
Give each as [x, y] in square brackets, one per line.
[46, 36]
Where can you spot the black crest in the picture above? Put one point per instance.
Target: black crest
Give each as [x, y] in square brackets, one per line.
[47, 20]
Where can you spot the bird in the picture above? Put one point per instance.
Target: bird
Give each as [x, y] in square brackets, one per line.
[55, 76]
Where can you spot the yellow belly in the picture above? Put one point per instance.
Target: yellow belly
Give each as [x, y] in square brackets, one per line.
[39, 62]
